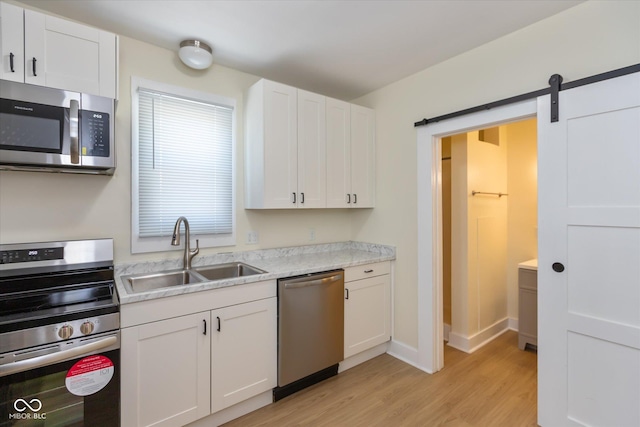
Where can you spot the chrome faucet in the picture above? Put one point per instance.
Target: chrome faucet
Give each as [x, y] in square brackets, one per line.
[175, 241]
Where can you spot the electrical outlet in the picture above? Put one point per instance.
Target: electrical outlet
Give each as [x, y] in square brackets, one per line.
[252, 237]
[312, 234]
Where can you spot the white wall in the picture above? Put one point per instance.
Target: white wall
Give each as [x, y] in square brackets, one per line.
[591, 38]
[44, 206]
[479, 235]
[522, 179]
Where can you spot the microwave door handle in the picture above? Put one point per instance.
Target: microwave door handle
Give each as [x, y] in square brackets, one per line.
[74, 140]
[50, 359]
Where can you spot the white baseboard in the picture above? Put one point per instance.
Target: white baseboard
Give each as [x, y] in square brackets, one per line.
[235, 411]
[474, 342]
[446, 330]
[404, 352]
[513, 324]
[363, 357]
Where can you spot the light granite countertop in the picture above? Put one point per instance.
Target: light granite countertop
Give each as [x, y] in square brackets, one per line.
[278, 263]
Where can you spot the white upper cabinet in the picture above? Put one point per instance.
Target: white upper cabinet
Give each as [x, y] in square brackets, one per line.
[53, 52]
[338, 154]
[11, 43]
[350, 155]
[363, 160]
[271, 149]
[304, 150]
[312, 148]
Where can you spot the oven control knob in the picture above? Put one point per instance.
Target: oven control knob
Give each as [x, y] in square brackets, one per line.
[86, 328]
[65, 332]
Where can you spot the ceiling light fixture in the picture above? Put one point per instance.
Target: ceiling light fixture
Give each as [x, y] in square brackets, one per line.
[195, 54]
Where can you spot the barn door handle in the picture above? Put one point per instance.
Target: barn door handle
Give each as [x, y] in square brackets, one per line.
[558, 267]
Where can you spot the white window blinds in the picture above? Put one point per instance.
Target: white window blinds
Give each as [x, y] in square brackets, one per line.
[184, 165]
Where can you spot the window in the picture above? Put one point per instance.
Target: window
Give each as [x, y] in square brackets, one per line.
[182, 165]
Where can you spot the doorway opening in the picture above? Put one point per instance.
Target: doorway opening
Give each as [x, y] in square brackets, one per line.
[430, 355]
[489, 232]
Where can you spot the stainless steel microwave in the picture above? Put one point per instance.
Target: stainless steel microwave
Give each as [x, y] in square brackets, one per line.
[55, 130]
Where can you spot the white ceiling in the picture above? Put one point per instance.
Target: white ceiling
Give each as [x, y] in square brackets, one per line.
[343, 49]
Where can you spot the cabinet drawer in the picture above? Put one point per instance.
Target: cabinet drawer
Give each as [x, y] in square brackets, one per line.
[528, 279]
[366, 270]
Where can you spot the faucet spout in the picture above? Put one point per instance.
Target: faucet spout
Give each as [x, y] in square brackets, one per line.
[175, 241]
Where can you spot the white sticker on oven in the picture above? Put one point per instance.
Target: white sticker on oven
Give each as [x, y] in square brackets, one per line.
[89, 375]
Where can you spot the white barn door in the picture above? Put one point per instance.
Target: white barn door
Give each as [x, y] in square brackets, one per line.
[589, 223]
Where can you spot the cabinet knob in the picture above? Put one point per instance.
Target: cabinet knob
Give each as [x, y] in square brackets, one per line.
[558, 267]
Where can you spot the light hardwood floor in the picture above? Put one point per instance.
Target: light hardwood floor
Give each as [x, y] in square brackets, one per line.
[495, 386]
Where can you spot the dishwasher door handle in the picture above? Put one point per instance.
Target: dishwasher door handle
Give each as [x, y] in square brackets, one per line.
[316, 282]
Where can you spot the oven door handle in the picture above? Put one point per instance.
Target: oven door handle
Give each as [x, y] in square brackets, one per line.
[49, 359]
[74, 133]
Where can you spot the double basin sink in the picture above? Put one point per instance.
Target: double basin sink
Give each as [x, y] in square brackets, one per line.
[151, 281]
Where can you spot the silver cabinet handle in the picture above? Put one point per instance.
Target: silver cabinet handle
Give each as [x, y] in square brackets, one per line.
[316, 282]
[49, 359]
[73, 132]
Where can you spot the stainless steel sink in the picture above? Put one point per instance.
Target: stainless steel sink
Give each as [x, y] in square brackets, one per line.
[228, 271]
[166, 279]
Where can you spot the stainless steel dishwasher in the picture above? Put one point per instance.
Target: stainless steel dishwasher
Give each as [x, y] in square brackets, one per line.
[310, 330]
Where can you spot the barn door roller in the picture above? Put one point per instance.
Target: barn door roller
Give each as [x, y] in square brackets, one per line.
[556, 83]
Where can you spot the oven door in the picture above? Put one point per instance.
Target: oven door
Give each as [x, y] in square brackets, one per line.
[82, 389]
[39, 126]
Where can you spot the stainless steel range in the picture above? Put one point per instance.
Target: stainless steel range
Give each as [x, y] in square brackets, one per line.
[59, 334]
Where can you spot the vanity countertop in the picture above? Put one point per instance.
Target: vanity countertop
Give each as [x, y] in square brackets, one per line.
[532, 264]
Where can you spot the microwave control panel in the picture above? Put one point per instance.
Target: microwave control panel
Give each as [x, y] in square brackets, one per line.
[95, 133]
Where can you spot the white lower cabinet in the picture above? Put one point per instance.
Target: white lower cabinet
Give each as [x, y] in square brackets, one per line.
[181, 369]
[166, 371]
[367, 309]
[243, 352]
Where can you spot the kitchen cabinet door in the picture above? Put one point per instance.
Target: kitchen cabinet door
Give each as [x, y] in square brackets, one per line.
[350, 155]
[362, 157]
[67, 55]
[312, 150]
[271, 148]
[166, 371]
[338, 154]
[367, 314]
[12, 42]
[243, 352]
